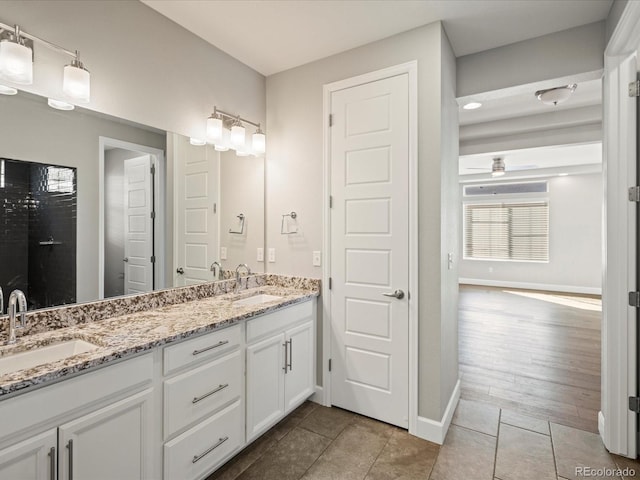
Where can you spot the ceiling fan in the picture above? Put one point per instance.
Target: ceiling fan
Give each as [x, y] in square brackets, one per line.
[498, 167]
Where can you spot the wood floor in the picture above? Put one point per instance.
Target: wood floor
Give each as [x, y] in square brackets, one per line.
[536, 353]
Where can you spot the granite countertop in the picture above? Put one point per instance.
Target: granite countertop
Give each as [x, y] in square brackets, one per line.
[127, 335]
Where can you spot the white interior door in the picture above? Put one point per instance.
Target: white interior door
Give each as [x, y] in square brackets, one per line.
[196, 228]
[370, 249]
[138, 225]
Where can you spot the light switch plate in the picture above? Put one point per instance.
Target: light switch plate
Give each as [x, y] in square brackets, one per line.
[272, 255]
[260, 254]
[317, 258]
[223, 253]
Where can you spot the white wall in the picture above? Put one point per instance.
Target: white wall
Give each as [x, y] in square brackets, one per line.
[30, 130]
[144, 67]
[294, 182]
[575, 242]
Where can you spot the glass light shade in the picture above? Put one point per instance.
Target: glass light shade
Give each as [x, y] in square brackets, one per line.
[223, 144]
[197, 142]
[76, 83]
[59, 104]
[4, 90]
[244, 150]
[214, 130]
[16, 62]
[237, 136]
[259, 143]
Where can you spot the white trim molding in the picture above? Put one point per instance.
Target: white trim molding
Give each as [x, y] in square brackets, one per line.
[531, 286]
[617, 425]
[318, 395]
[433, 430]
[411, 69]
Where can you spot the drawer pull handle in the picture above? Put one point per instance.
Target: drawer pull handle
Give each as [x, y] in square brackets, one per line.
[202, 397]
[209, 450]
[219, 344]
[52, 463]
[70, 448]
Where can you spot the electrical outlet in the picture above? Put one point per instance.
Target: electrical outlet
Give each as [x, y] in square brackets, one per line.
[223, 253]
[260, 255]
[317, 258]
[450, 260]
[272, 255]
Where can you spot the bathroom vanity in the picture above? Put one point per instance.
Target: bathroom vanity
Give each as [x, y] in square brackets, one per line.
[170, 392]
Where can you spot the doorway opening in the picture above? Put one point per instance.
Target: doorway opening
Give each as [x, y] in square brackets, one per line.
[131, 212]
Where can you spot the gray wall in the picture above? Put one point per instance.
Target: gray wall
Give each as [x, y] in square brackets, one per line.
[294, 172]
[144, 67]
[30, 130]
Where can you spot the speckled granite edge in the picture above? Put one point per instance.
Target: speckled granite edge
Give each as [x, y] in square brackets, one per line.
[45, 320]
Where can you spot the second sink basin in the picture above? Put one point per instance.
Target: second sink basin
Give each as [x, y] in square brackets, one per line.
[255, 300]
[43, 355]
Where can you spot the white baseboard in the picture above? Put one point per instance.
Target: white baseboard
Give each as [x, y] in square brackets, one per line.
[532, 286]
[433, 430]
[318, 396]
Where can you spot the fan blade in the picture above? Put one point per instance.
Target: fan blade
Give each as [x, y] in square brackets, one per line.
[521, 167]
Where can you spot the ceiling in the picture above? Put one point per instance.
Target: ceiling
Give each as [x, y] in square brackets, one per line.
[543, 157]
[275, 35]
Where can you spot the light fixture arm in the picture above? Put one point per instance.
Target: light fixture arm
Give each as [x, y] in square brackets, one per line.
[234, 117]
[19, 33]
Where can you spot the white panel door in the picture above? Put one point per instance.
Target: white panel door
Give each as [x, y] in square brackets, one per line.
[138, 225]
[299, 380]
[197, 221]
[32, 459]
[370, 249]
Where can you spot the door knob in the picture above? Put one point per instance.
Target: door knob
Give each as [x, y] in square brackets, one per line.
[180, 271]
[125, 259]
[399, 294]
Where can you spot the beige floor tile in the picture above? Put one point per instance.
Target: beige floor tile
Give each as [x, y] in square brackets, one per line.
[328, 422]
[575, 448]
[477, 416]
[524, 421]
[632, 466]
[406, 457]
[238, 464]
[524, 455]
[351, 455]
[289, 458]
[465, 455]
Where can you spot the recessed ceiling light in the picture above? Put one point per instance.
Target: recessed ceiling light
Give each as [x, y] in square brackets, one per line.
[197, 142]
[60, 105]
[563, 174]
[556, 95]
[4, 90]
[471, 105]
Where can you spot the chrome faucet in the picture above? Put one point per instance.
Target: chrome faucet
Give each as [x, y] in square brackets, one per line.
[220, 270]
[17, 304]
[237, 287]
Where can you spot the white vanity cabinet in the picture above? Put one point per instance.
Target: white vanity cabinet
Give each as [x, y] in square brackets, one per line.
[90, 427]
[280, 365]
[203, 403]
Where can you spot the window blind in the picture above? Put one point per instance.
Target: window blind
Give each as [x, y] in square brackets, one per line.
[507, 231]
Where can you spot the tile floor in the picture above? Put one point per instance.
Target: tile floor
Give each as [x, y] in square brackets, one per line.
[484, 442]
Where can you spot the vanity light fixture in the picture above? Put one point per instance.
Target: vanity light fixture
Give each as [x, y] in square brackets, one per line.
[59, 104]
[16, 63]
[220, 124]
[197, 142]
[4, 90]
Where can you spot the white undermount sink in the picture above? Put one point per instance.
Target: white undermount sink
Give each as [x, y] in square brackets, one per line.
[255, 300]
[43, 355]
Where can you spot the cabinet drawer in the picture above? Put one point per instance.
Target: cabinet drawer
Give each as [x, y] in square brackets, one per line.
[200, 391]
[279, 321]
[201, 348]
[204, 447]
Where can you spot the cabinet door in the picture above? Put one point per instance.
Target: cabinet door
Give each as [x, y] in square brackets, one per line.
[32, 459]
[265, 389]
[111, 443]
[299, 379]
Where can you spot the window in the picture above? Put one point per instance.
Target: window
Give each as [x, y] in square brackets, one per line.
[507, 231]
[59, 179]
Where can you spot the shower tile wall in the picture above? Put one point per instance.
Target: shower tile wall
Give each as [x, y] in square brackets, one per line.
[43, 212]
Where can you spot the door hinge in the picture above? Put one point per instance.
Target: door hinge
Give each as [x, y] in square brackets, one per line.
[634, 404]
[330, 369]
[634, 299]
[153, 215]
[331, 119]
[634, 89]
[330, 283]
[215, 208]
[153, 169]
[153, 259]
[634, 194]
[330, 201]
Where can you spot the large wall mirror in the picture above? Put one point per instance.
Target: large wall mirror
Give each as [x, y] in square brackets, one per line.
[148, 210]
